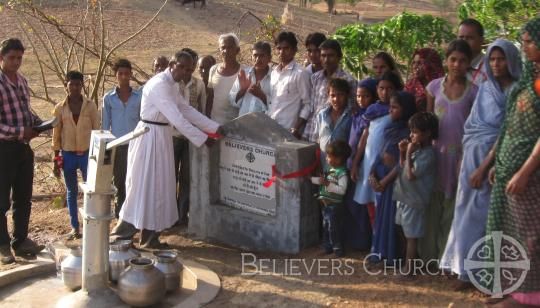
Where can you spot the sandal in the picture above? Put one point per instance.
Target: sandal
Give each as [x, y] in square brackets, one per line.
[74, 235]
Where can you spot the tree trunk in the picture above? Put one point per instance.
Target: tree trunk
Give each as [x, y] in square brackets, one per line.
[330, 4]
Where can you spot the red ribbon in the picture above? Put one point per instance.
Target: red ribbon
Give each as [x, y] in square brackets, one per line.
[296, 174]
[214, 135]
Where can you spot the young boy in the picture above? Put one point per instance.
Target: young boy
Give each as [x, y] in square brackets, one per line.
[331, 194]
[291, 87]
[414, 185]
[334, 122]
[120, 114]
[313, 52]
[204, 64]
[77, 117]
[160, 64]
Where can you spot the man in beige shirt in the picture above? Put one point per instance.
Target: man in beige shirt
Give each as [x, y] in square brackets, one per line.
[77, 117]
[193, 90]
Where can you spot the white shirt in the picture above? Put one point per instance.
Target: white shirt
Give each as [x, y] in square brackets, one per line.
[477, 75]
[249, 102]
[309, 69]
[166, 106]
[291, 90]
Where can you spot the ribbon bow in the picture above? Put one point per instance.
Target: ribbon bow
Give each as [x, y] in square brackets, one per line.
[216, 136]
[296, 174]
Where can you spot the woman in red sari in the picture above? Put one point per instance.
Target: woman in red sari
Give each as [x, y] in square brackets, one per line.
[425, 67]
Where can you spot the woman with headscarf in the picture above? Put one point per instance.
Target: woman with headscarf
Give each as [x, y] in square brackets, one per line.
[502, 65]
[426, 66]
[515, 206]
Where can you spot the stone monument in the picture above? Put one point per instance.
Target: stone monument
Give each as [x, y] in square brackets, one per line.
[228, 201]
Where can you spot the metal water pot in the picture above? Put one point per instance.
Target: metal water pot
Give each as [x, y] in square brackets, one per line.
[120, 253]
[167, 262]
[71, 269]
[141, 284]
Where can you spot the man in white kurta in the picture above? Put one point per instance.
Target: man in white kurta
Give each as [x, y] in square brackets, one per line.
[150, 203]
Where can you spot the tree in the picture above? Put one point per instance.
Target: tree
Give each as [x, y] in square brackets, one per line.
[500, 17]
[330, 4]
[399, 35]
[60, 46]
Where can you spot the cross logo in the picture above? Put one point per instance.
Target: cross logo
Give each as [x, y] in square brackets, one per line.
[497, 264]
[250, 157]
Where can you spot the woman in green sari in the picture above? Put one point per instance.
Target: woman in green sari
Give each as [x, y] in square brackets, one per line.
[515, 199]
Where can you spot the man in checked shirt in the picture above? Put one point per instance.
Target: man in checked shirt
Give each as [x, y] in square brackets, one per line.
[16, 156]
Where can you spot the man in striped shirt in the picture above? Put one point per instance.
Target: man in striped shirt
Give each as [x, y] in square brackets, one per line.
[16, 156]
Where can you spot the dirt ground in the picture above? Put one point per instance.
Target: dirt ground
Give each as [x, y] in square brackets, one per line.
[347, 285]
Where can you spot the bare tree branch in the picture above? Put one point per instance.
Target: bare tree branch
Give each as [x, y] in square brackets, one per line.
[44, 81]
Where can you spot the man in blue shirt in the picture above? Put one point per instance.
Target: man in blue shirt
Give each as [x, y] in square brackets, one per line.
[120, 114]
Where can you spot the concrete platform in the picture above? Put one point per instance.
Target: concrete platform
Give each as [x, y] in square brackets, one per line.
[37, 285]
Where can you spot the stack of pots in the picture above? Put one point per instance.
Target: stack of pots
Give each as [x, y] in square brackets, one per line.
[167, 262]
[71, 269]
[120, 253]
[141, 284]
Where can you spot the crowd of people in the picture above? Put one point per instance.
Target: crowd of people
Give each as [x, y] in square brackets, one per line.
[421, 168]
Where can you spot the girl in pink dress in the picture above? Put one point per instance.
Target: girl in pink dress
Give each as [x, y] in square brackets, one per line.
[450, 98]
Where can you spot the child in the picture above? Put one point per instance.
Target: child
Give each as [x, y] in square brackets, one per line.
[77, 117]
[120, 113]
[334, 122]
[313, 53]
[450, 98]
[383, 62]
[503, 68]
[366, 94]
[203, 65]
[415, 181]
[357, 224]
[331, 194]
[371, 143]
[383, 173]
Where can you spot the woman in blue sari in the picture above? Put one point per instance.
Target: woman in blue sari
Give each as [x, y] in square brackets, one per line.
[503, 68]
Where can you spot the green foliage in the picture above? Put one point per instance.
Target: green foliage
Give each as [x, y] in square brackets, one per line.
[58, 202]
[399, 36]
[500, 17]
[269, 29]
